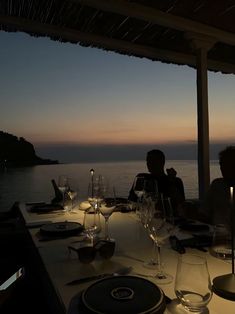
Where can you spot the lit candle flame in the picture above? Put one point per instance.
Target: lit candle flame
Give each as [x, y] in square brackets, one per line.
[231, 193]
[92, 182]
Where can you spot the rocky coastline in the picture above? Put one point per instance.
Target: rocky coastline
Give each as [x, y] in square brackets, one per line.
[17, 152]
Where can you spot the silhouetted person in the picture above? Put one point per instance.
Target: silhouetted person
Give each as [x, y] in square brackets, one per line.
[168, 184]
[216, 209]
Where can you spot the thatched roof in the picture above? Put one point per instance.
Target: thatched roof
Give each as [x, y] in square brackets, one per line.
[155, 29]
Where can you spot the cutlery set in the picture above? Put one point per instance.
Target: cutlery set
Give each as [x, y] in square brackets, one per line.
[118, 272]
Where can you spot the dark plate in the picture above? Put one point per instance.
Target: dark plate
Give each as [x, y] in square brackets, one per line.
[61, 229]
[124, 294]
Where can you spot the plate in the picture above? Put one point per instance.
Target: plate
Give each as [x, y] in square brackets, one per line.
[124, 294]
[61, 229]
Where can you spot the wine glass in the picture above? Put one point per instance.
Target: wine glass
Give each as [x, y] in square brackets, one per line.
[159, 230]
[192, 284]
[72, 194]
[147, 210]
[93, 199]
[106, 208]
[139, 189]
[63, 186]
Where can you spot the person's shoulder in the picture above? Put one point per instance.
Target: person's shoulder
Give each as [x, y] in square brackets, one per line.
[173, 179]
[217, 181]
[143, 174]
[178, 179]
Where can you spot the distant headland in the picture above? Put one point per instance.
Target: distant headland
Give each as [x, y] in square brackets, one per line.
[17, 152]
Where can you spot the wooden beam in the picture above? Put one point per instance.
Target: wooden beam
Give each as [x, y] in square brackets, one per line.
[158, 17]
[111, 44]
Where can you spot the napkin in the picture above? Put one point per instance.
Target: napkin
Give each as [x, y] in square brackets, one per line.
[123, 205]
[45, 208]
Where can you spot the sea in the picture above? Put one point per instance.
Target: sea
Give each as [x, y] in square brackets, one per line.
[33, 184]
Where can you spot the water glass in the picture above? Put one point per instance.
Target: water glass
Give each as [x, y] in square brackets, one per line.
[91, 224]
[221, 243]
[192, 284]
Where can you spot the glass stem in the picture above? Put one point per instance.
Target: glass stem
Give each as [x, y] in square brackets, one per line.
[159, 262]
[106, 229]
[84, 218]
[92, 240]
[154, 254]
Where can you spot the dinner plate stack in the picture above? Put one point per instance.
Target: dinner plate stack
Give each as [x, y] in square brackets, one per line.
[122, 294]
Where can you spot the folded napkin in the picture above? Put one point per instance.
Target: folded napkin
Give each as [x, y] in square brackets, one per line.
[194, 227]
[123, 205]
[45, 208]
[84, 205]
[196, 241]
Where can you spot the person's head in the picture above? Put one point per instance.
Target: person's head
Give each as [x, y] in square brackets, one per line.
[227, 163]
[155, 161]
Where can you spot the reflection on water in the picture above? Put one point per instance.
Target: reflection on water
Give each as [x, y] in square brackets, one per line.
[34, 183]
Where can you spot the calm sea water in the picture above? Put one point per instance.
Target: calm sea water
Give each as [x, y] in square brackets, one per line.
[34, 183]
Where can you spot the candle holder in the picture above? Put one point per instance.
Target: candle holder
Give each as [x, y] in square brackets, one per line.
[224, 286]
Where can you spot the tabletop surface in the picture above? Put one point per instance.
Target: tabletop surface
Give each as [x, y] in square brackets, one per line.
[133, 248]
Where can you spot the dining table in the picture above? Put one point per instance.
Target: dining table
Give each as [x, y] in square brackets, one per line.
[133, 248]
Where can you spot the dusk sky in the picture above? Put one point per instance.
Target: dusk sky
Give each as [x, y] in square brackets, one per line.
[55, 94]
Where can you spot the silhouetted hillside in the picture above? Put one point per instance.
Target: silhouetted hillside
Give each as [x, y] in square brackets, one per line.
[17, 152]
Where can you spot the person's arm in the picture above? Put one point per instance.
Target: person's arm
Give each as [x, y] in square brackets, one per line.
[171, 172]
[205, 213]
[132, 196]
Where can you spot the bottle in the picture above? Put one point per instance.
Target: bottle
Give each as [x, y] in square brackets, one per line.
[58, 194]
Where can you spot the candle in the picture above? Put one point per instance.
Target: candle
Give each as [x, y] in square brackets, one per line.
[231, 194]
[92, 182]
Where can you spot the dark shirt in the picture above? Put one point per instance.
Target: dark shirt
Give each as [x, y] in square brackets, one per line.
[168, 187]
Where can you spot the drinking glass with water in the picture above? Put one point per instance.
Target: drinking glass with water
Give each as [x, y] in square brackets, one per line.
[192, 283]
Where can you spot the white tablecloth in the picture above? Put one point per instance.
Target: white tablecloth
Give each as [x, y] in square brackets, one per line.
[133, 248]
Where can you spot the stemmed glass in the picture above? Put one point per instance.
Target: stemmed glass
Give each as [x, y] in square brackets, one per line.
[63, 186]
[106, 208]
[139, 190]
[72, 194]
[92, 212]
[147, 210]
[159, 230]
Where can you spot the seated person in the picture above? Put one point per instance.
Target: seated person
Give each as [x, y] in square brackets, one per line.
[168, 184]
[217, 206]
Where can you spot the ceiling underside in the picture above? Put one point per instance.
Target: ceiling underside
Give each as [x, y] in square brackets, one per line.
[154, 29]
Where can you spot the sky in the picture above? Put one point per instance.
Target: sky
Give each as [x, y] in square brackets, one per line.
[70, 101]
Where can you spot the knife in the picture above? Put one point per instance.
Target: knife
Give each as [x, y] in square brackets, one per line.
[121, 271]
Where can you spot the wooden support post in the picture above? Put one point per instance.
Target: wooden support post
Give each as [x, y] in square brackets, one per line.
[203, 123]
[201, 45]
